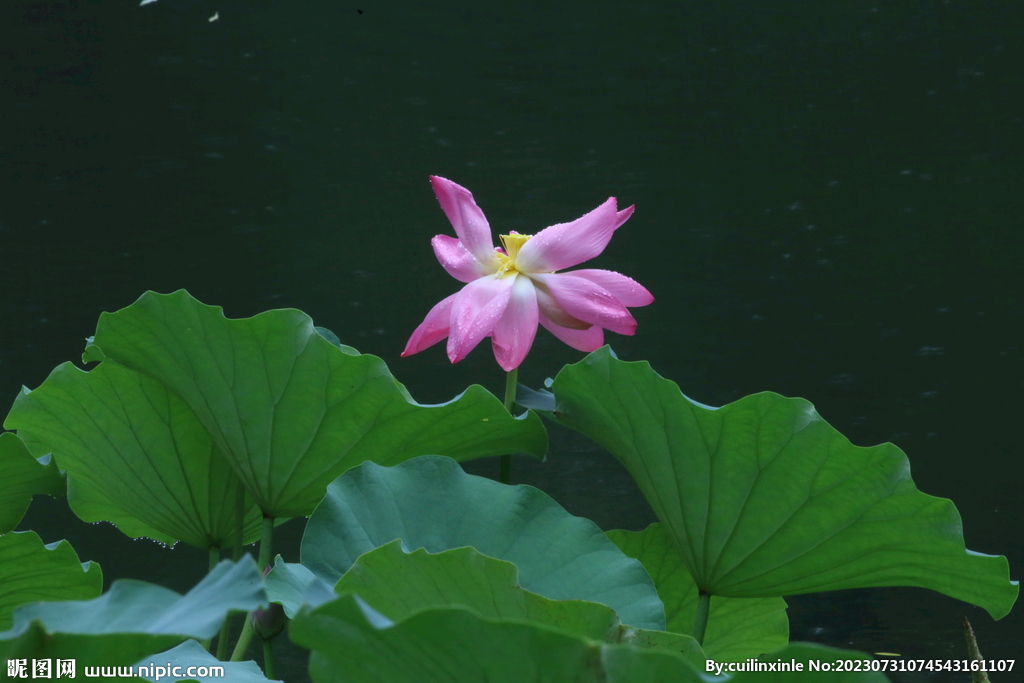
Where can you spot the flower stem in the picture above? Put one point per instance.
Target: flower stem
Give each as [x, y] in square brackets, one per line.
[268, 659]
[244, 638]
[266, 544]
[700, 620]
[505, 476]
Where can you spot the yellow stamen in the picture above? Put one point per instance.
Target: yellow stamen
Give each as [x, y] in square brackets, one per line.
[512, 243]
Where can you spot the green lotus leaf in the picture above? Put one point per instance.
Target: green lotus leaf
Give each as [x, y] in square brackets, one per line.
[192, 654]
[292, 585]
[31, 571]
[21, 477]
[738, 628]
[132, 620]
[352, 643]
[399, 584]
[135, 455]
[429, 502]
[764, 498]
[290, 410]
[333, 338]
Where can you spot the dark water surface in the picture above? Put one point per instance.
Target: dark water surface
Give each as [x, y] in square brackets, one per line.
[828, 205]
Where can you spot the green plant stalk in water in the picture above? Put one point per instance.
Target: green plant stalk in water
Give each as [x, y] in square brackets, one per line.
[266, 546]
[268, 659]
[700, 619]
[974, 654]
[214, 559]
[236, 553]
[505, 476]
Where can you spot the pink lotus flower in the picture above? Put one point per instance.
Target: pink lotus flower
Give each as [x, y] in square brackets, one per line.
[513, 288]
